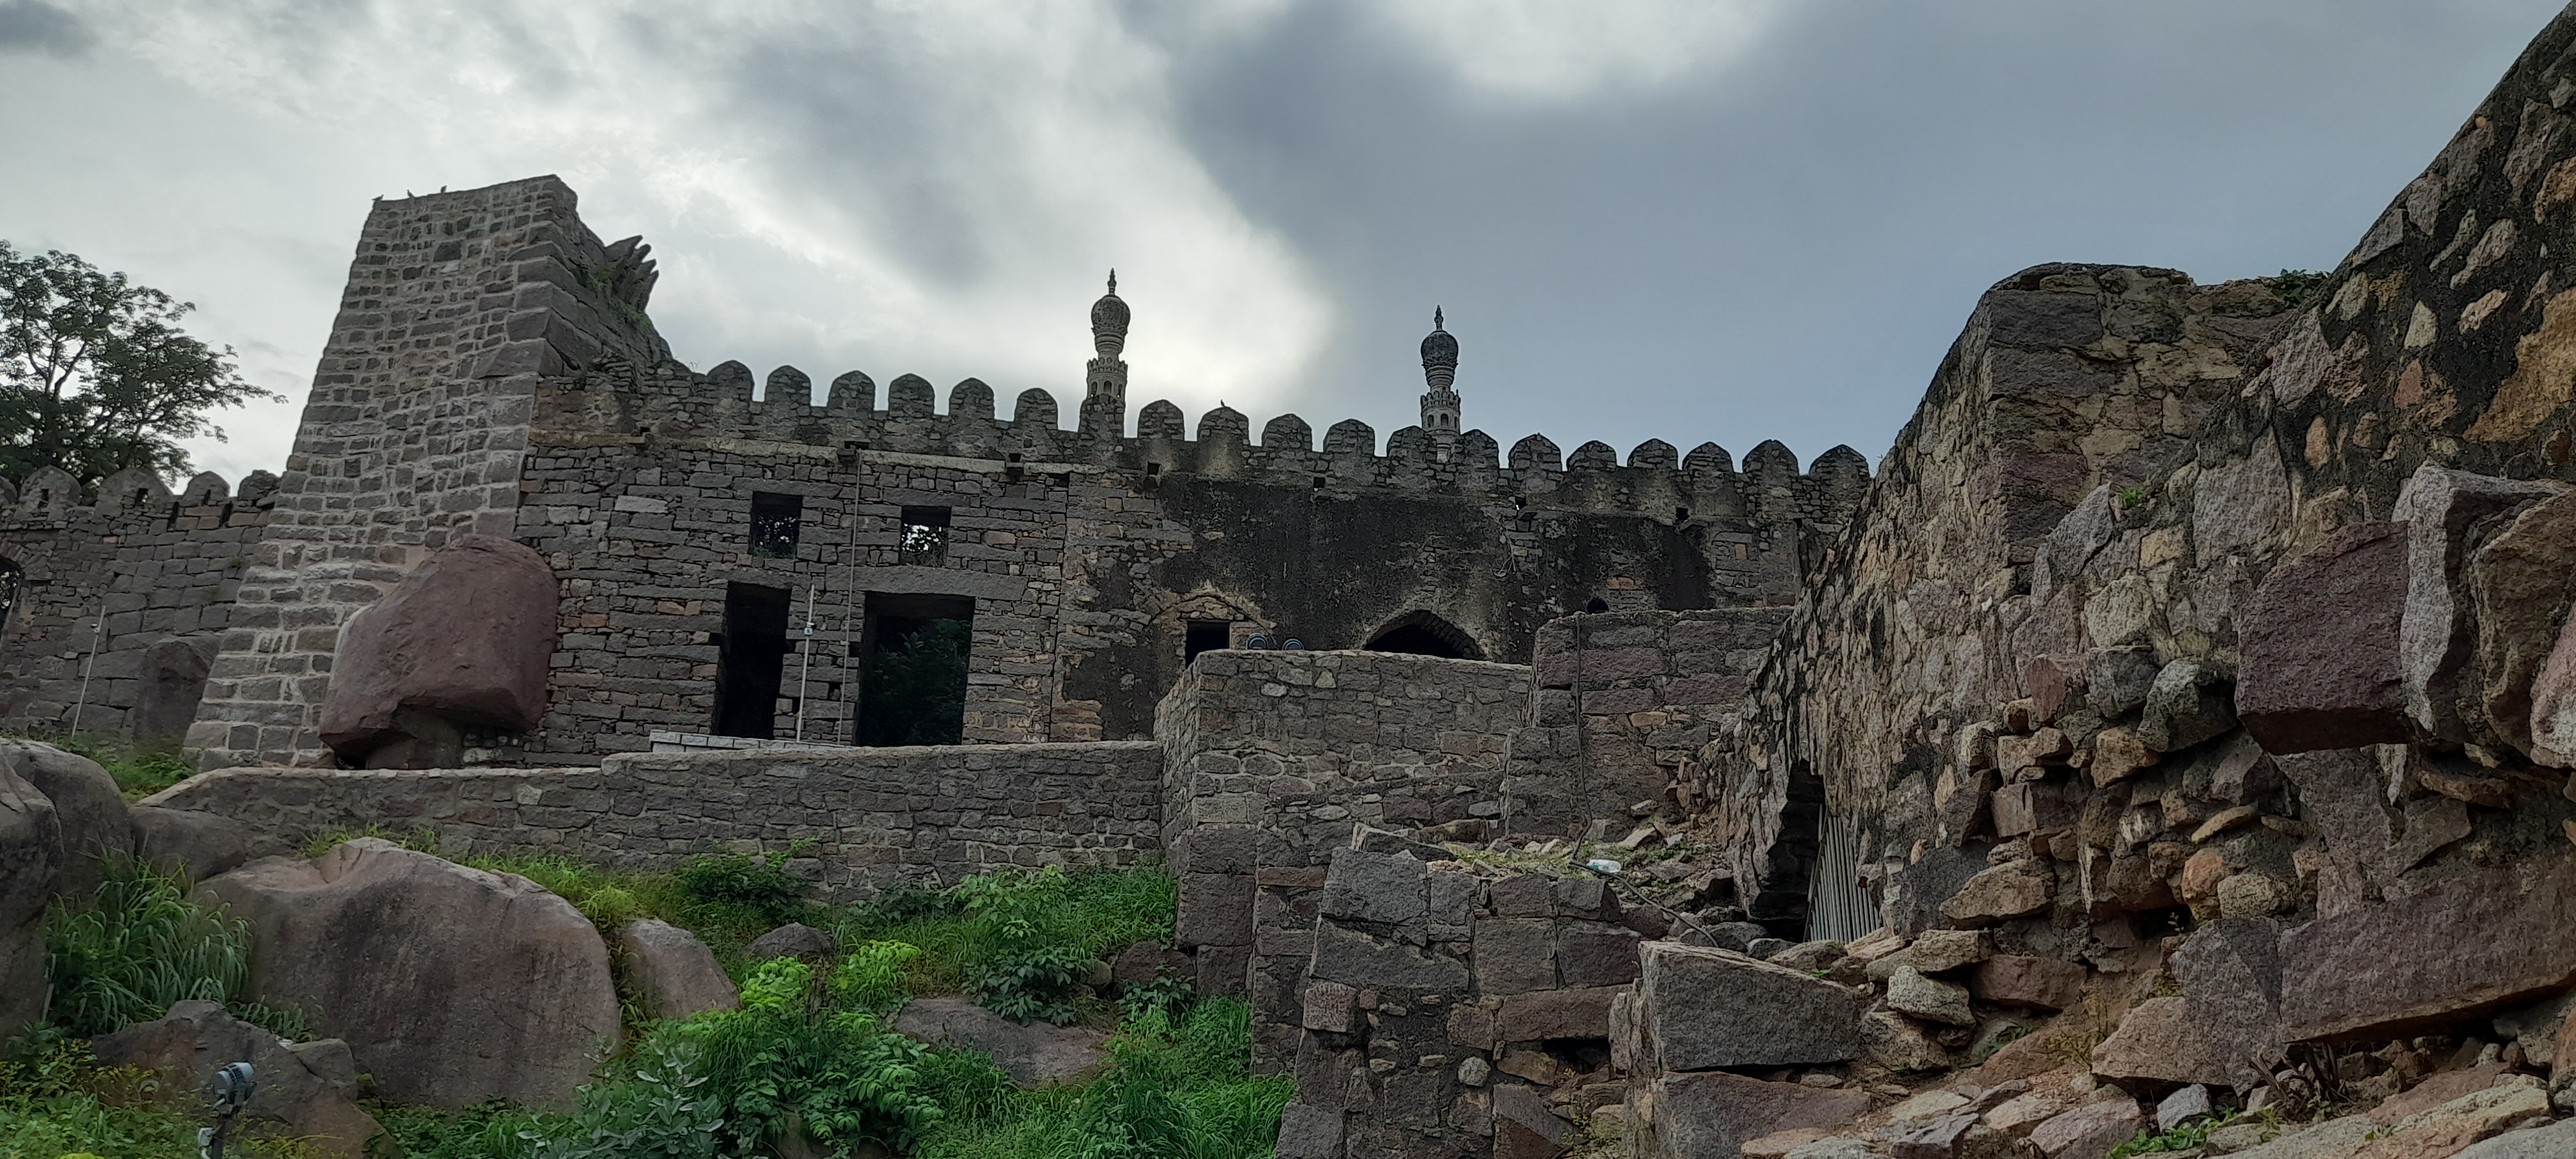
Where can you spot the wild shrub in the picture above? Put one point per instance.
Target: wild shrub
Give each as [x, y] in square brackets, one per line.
[787, 1061]
[1035, 933]
[56, 1100]
[139, 770]
[138, 944]
[757, 884]
[1182, 1088]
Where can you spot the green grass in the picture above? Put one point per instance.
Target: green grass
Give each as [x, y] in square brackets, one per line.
[2182, 1138]
[138, 944]
[139, 771]
[1181, 1088]
[56, 1100]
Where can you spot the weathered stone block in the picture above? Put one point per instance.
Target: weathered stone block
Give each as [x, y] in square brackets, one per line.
[2320, 640]
[1215, 910]
[2090, 1131]
[1930, 999]
[2001, 893]
[2475, 943]
[2437, 636]
[2230, 972]
[1374, 887]
[2118, 754]
[1515, 955]
[1547, 1014]
[1709, 1008]
[2036, 807]
[2519, 586]
[2027, 981]
[2187, 704]
[1347, 955]
[1714, 1113]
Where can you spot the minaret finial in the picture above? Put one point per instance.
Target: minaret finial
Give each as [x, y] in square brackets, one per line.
[1113, 281]
[1436, 321]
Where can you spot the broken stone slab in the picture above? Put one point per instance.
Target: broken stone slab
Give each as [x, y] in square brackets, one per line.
[2001, 893]
[2053, 682]
[453, 985]
[1387, 889]
[304, 1091]
[2437, 635]
[1917, 891]
[2535, 1027]
[2182, 1106]
[2023, 1113]
[1901, 1044]
[1034, 1054]
[1926, 1105]
[1550, 1014]
[2117, 680]
[2089, 1131]
[1936, 1138]
[2553, 703]
[2157, 1042]
[1809, 955]
[2320, 641]
[2118, 755]
[2189, 703]
[1934, 952]
[2436, 1090]
[2446, 1130]
[2245, 773]
[1309, 1132]
[2026, 981]
[675, 973]
[1372, 963]
[1909, 992]
[2036, 806]
[2519, 587]
[2230, 973]
[2481, 942]
[1705, 1008]
[2548, 1141]
[1715, 1113]
[1959, 806]
[1514, 955]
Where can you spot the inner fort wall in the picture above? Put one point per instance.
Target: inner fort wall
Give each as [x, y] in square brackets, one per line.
[875, 816]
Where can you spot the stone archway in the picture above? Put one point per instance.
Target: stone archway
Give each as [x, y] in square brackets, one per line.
[1421, 633]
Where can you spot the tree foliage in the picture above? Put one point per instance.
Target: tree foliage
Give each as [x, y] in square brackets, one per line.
[95, 374]
[916, 690]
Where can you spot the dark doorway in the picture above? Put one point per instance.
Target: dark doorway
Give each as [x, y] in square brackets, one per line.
[1205, 636]
[1782, 904]
[1423, 634]
[749, 657]
[912, 687]
[12, 578]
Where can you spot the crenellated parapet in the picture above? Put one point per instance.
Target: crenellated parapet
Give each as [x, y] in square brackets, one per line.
[668, 404]
[132, 499]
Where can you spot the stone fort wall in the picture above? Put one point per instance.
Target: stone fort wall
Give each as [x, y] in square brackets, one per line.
[492, 369]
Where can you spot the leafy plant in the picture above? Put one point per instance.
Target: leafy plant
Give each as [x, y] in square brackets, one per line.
[1182, 1088]
[871, 978]
[664, 1112]
[139, 771]
[138, 944]
[758, 884]
[1167, 997]
[55, 1100]
[786, 1063]
[2132, 496]
[915, 690]
[2296, 288]
[2184, 1137]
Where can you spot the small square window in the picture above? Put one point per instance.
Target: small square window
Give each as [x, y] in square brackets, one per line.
[925, 536]
[775, 522]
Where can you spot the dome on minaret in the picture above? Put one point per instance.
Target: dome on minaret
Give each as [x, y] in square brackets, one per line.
[1439, 353]
[1109, 321]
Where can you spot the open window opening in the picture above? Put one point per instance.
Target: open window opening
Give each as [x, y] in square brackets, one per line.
[913, 654]
[750, 656]
[776, 521]
[925, 536]
[1596, 605]
[1420, 633]
[1205, 636]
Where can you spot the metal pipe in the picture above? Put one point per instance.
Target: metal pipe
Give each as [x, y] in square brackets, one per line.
[97, 634]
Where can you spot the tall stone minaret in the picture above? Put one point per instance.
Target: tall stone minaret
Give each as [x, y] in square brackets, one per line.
[1439, 369]
[1104, 395]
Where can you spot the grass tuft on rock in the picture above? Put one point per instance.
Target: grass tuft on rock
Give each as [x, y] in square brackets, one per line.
[140, 943]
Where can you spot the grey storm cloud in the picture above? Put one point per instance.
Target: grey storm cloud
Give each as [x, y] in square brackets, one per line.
[32, 26]
[1678, 219]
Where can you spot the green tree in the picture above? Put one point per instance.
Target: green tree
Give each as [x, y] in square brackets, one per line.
[916, 690]
[95, 374]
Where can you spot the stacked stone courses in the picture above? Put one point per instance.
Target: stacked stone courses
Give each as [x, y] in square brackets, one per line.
[860, 819]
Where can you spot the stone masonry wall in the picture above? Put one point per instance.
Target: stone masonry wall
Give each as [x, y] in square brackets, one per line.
[1270, 759]
[456, 304]
[875, 816]
[1623, 699]
[162, 568]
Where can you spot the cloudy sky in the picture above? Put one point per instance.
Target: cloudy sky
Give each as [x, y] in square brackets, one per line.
[1676, 219]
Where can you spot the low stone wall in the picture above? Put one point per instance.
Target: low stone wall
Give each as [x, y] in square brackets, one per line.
[1271, 757]
[874, 815]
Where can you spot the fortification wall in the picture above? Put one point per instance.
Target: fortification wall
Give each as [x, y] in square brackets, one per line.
[874, 816]
[456, 305]
[141, 578]
[2360, 556]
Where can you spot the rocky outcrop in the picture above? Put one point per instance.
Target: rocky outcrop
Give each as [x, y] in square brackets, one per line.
[31, 859]
[673, 973]
[1703, 1008]
[87, 804]
[304, 1090]
[461, 644]
[187, 841]
[451, 984]
[1034, 1054]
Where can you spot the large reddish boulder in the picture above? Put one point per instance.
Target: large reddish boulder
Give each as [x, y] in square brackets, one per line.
[460, 645]
[2320, 644]
[453, 985]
